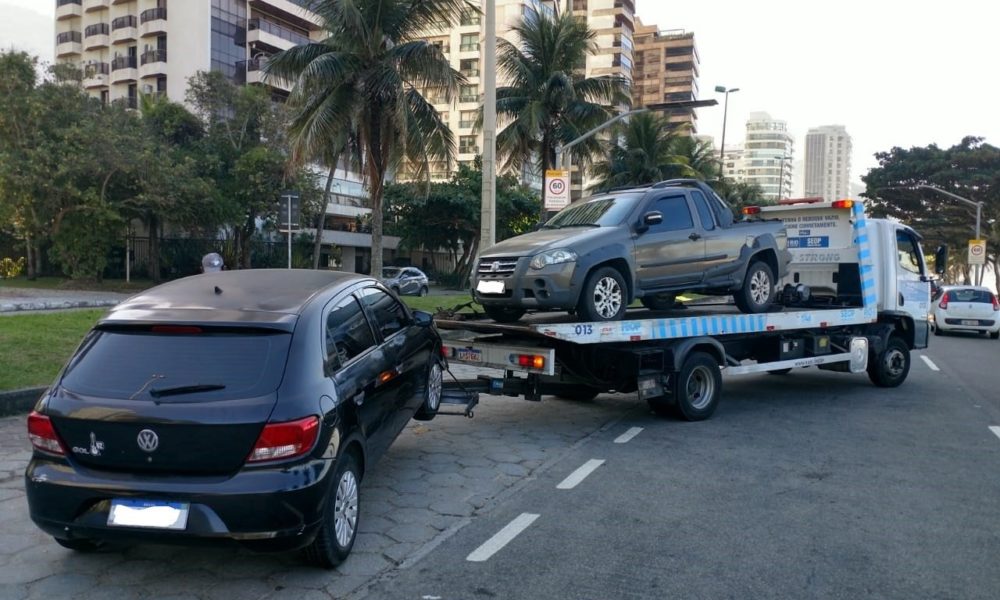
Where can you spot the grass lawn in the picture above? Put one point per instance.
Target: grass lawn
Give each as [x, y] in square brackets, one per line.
[34, 347]
[432, 303]
[61, 283]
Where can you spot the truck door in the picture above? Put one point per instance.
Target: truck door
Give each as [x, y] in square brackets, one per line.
[913, 288]
[672, 252]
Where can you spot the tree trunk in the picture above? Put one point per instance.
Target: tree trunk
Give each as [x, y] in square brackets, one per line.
[39, 267]
[376, 190]
[246, 235]
[321, 218]
[153, 225]
[29, 258]
[546, 164]
[995, 263]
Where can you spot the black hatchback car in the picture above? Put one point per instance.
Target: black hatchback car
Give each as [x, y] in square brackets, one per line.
[236, 406]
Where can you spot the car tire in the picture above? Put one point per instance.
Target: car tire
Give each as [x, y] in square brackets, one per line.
[604, 296]
[578, 393]
[341, 516]
[659, 301]
[937, 330]
[757, 292]
[504, 314]
[995, 335]
[84, 546]
[890, 367]
[697, 387]
[423, 291]
[433, 389]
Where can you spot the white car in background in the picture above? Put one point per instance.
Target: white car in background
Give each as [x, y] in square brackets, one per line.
[966, 308]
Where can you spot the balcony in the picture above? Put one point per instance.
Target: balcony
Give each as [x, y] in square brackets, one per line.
[274, 35]
[95, 75]
[96, 36]
[153, 63]
[68, 9]
[251, 71]
[92, 5]
[68, 43]
[468, 150]
[469, 72]
[123, 69]
[469, 98]
[152, 22]
[468, 47]
[124, 30]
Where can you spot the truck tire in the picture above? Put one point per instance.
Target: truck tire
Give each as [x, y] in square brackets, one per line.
[659, 301]
[757, 292]
[890, 367]
[604, 296]
[504, 314]
[697, 387]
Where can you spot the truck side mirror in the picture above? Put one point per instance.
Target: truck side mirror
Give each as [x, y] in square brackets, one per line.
[941, 259]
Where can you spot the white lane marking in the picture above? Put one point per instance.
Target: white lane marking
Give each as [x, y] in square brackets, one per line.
[930, 363]
[628, 435]
[995, 429]
[580, 474]
[502, 538]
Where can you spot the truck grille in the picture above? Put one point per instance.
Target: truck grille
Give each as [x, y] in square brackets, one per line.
[497, 266]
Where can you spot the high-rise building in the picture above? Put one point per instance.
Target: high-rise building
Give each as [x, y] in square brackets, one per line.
[828, 162]
[666, 70]
[132, 47]
[768, 155]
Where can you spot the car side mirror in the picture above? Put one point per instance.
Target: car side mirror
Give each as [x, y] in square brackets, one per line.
[941, 259]
[422, 319]
[653, 217]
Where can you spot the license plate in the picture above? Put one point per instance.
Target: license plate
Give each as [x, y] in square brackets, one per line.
[469, 355]
[154, 514]
[490, 287]
[972, 322]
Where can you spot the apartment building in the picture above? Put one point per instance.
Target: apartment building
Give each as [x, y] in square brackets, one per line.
[828, 162]
[666, 70]
[768, 155]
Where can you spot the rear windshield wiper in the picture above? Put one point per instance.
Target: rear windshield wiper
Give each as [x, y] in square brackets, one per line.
[186, 389]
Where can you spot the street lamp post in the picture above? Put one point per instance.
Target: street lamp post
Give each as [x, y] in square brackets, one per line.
[725, 113]
[781, 177]
[979, 216]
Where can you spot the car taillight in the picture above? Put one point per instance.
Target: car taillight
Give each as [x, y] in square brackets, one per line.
[944, 301]
[43, 435]
[285, 440]
[996, 304]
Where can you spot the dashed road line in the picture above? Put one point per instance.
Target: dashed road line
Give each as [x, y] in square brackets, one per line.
[995, 429]
[930, 363]
[580, 474]
[628, 435]
[502, 538]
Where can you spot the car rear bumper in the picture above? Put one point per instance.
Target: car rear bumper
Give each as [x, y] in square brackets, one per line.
[550, 288]
[265, 509]
[955, 324]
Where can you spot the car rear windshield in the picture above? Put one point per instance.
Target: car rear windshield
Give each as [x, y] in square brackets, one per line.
[190, 367]
[610, 210]
[970, 296]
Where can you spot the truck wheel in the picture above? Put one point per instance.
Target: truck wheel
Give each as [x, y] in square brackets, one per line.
[697, 387]
[504, 314]
[757, 293]
[891, 366]
[659, 301]
[604, 296]
[432, 393]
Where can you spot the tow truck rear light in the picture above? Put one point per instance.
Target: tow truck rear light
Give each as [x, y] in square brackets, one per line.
[285, 440]
[843, 204]
[751, 210]
[531, 361]
[43, 435]
[944, 301]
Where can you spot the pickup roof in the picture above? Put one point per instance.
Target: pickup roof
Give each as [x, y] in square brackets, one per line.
[652, 243]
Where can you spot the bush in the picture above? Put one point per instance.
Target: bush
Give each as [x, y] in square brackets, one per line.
[10, 268]
[83, 242]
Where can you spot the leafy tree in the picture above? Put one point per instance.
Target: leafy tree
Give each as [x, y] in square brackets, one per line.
[739, 194]
[548, 102]
[970, 169]
[365, 77]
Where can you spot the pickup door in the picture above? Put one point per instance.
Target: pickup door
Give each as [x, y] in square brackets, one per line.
[670, 253]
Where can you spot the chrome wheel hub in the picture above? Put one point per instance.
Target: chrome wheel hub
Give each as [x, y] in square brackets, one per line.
[607, 297]
[760, 287]
[345, 511]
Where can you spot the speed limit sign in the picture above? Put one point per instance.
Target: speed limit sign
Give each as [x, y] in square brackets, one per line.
[977, 252]
[556, 189]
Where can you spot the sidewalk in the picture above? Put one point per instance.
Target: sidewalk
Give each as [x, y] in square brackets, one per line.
[14, 300]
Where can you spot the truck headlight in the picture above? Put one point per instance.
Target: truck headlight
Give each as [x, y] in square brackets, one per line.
[552, 257]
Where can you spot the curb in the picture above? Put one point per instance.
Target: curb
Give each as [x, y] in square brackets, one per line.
[19, 402]
[29, 305]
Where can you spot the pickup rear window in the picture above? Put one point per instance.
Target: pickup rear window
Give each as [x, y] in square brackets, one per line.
[136, 364]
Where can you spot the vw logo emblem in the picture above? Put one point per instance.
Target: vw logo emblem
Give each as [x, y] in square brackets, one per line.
[495, 266]
[148, 440]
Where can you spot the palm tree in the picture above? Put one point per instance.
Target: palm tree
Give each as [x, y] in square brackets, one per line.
[365, 77]
[640, 152]
[547, 101]
[699, 156]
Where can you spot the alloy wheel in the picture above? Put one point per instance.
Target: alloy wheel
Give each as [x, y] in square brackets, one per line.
[345, 513]
[760, 287]
[434, 385]
[607, 297]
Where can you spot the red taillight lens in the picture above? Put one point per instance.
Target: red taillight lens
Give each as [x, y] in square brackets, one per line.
[285, 440]
[843, 204]
[43, 435]
[996, 304]
[532, 361]
[751, 210]
[944, 301]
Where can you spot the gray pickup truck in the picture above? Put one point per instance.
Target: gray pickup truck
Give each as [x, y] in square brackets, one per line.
[652, 243]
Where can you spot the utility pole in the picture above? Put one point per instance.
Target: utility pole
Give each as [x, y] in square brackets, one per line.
[979, 215]
[487, 231]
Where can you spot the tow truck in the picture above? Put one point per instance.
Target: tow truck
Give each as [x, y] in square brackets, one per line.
[856, 299]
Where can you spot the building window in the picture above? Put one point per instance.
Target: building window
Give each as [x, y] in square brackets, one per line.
[470, 42]
[469, 67]
[229, 22]
[468, 93]
[467, 118]
[470, 17]
[467, 145]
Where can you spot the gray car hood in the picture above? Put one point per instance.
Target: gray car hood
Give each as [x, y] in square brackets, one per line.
[532, 243]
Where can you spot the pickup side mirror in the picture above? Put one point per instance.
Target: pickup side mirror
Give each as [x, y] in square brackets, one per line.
[422, 319]
[941, 259]
[653, 217]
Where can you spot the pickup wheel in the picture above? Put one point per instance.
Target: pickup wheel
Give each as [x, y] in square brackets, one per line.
[757, 293]
[504, 314]
[697, 387]
[604, 296]
[659, 301]
[890, 367]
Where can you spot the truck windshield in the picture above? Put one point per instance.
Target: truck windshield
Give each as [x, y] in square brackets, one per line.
[600, 212]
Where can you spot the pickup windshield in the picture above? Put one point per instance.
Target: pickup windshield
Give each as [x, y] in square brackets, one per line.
[600, 212]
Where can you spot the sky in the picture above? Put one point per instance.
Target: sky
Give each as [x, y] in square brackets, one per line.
[894, 72]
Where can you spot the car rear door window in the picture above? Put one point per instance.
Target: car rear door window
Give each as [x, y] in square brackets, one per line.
[348, 333]
[704, 213]
[390, 316]
[676, 214]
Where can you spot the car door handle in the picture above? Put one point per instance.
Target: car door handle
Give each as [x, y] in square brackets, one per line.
[902, 300]
[694, 237]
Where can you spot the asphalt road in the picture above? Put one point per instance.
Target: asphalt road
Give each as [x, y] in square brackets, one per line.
[813, 485]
